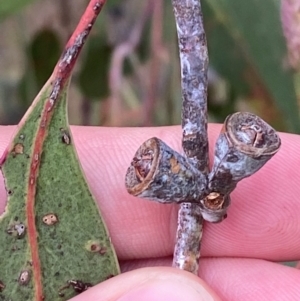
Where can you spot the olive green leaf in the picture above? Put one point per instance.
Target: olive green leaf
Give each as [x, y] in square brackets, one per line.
[246, 43]
[53, 242]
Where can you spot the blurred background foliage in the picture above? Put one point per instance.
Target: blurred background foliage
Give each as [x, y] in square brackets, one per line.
[129, 74]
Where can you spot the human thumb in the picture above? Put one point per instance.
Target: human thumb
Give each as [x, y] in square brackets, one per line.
[151, 284]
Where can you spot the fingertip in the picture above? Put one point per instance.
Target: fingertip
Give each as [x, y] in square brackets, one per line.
[149, 284]
[166, 290]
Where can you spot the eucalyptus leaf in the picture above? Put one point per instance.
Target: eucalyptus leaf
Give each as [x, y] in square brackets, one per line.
[53, 241]
[93, 76]
[256, 40]
[44, 49]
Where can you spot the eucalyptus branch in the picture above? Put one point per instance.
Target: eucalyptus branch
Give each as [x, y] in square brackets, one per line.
[244, 145]
[194, 65]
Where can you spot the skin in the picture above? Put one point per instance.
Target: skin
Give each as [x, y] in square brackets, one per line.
[263, 225]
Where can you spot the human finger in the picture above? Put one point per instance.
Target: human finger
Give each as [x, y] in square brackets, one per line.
[236, 279]
[151, 284]
[251, 279]
[263, 217]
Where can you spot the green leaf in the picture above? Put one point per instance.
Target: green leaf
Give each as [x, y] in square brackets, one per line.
[9, 7]
[44, 50]
[53, 242]
[93, 76]
[253, 36]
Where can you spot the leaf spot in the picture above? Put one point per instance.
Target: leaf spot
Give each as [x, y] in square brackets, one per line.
[24, 277]
[65, 136]
[20, 228]
[17, 230]
[50, 219]
[78, 286]
[95, 247]
[30, 263]
[18, 149]
[2, 286]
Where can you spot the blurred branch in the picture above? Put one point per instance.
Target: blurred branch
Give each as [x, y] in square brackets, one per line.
[119, 54]
[156, 47]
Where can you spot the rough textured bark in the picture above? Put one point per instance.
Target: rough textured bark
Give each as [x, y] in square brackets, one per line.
[194, 66]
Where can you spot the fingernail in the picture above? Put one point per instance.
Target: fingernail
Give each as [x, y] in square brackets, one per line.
[165, 290]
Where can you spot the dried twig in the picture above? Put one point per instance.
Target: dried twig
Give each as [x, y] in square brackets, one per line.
[245, 144]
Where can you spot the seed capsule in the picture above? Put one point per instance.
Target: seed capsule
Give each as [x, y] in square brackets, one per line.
[245, 145]
[161, 174]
